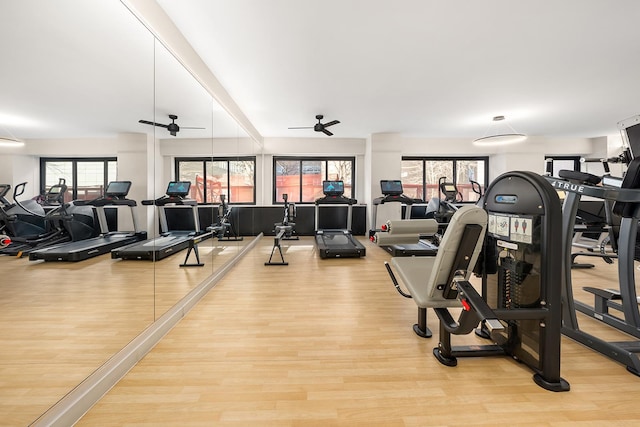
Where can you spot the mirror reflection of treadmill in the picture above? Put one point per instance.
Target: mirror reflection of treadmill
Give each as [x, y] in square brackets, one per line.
[115, 195]
[336, 243]
[179, 223]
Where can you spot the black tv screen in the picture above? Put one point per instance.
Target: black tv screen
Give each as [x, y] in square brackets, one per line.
[118, 188]
[633, 136]
[178, 188]
[391, 187]
[333, 188]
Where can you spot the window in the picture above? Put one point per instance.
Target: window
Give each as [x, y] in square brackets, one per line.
[86, 178]
[420, 175]
[211, 177]
[554, 164]
[301, 177]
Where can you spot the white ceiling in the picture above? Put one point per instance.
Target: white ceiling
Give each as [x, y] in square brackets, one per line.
[78, 69]
[429, 68]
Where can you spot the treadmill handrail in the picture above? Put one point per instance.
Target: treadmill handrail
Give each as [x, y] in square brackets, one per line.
[391, 198]
[167, 200]
[335, 200]
[349, 213]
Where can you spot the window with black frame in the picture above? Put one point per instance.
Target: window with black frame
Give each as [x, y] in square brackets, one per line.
[86, 178]
[554, 164]
[210, 177]
[301, 177]
[421, 176]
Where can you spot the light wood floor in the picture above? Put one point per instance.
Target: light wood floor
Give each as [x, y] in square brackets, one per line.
[61, 321]
[329, 343]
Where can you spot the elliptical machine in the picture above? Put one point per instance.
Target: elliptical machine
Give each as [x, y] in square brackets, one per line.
[4, 240]
[21, 218]
[63, 223]
[442, 209]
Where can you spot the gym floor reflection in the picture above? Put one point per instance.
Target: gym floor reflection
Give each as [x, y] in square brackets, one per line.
[62, 320]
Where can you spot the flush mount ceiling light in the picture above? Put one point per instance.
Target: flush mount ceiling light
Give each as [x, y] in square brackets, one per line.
[10, 142]
[500, 133]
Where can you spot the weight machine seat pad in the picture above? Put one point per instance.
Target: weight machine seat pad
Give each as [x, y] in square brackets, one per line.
[422, 275]
[413, 226]
[631, 180]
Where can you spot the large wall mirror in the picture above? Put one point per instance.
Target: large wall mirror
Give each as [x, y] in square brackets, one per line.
[77, 78]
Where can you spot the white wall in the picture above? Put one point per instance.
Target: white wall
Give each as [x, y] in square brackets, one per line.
[385, 160]
[26, 169]
[10, 164]
[132, 153]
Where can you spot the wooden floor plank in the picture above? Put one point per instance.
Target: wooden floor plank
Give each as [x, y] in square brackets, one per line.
[329, 342]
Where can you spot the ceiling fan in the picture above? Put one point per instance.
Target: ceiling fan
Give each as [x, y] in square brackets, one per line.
[172, 127]
[320, 127]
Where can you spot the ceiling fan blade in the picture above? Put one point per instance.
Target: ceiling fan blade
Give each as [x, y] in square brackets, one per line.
[331, 123]
[305, 127]
[326, 132]
[189, 127]
[146, 122]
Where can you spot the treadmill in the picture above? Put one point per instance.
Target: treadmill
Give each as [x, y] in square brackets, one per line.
[115, 195]
[392, 191]
[336, 243]
[171, 239]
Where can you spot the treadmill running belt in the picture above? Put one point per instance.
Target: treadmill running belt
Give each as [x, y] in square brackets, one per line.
[339, 245]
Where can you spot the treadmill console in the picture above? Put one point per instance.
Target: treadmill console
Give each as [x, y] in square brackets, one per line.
[333, 188]
[117, 189]
[391, 187]
[55, 195]
[449, 190]
[178, 188]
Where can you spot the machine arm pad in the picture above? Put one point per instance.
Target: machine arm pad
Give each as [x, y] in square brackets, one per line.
[475, 310]
[476, 303]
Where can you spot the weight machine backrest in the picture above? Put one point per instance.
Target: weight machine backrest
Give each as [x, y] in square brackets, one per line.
[632, 181]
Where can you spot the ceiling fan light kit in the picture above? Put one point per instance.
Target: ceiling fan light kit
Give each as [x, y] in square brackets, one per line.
[510, 136]
[320, 127]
